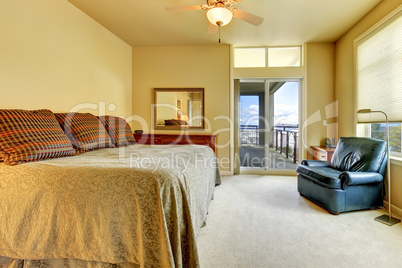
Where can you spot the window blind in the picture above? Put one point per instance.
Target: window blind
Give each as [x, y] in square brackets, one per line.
[379, 72]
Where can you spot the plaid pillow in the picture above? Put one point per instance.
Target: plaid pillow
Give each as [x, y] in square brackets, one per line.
[118, 129]
[30, 136]
[85, 131]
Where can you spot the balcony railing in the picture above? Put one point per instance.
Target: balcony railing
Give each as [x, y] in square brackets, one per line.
[284, 139]
[249, 135]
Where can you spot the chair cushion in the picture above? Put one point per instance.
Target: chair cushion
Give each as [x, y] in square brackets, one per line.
[325, 176]
[359, 154]
[30, 136]
[119, 130]
[85, 131]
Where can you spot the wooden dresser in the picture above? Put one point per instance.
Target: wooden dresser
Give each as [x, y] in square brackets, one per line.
[322, 153]
[209, 140]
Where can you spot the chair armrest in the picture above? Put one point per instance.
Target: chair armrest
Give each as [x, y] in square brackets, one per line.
[359, 178]
[316, 163]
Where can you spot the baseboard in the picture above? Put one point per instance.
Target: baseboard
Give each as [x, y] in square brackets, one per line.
[395, 210]
[226, 173]
[262, 172]
[268, 172]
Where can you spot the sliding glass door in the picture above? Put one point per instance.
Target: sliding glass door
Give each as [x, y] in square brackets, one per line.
[268, 124]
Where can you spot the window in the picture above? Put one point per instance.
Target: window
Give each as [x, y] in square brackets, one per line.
[267, 57]
[378, 131]
[284, 56]
[379, 79]
[249, 57]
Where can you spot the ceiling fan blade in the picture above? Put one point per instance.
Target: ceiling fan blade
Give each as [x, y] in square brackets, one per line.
[248, 17]
[184, 8]
[212, 28]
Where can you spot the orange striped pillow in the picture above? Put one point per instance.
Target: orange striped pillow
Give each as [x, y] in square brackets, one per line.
[119, 130]
[85, 131]
[30, 136]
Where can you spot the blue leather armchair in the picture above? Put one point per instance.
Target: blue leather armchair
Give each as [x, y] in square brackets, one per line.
[353, 180]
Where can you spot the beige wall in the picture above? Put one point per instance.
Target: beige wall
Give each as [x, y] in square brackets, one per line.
[344, 84]
[205, 67]
[54, 56]
[320, 117]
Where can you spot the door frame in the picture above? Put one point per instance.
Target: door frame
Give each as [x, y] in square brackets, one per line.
[301, 109]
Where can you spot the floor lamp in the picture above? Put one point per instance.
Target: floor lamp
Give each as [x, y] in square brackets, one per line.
[386, 219]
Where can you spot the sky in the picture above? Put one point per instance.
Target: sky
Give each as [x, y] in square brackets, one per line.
[286, 106]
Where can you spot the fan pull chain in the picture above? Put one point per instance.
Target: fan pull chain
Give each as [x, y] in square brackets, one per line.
[219, 23]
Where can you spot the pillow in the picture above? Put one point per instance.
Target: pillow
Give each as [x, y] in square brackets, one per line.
[30, 136]
[119, 130]
[85, 131]
[175, 122]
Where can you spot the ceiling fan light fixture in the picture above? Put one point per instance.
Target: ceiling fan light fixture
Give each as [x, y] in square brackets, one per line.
[219, 14]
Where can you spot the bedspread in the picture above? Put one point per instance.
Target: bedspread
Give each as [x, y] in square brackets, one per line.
[137, 204]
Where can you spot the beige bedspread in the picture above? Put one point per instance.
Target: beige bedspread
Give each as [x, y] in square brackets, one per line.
[136, 205]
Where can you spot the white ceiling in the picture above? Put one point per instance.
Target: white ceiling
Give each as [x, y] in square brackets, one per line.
[286, 22]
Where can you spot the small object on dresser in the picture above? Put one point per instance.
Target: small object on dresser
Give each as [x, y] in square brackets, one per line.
[138, 131]
[327, 142]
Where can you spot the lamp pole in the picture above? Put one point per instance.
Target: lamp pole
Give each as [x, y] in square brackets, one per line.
[386, 219]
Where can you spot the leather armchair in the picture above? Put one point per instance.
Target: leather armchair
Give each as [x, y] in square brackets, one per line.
[353, 180]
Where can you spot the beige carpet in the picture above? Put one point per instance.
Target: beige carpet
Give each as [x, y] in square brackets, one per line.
[261, 221]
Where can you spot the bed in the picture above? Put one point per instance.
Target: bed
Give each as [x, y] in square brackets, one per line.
[131, 206]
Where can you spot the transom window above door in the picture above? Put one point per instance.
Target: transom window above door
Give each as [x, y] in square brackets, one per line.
[267, 57]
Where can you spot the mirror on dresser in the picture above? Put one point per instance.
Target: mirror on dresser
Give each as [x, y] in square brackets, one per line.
[179, 108]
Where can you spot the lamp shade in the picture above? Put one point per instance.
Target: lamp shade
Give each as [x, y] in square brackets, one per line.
[221, 14]
[364, 111]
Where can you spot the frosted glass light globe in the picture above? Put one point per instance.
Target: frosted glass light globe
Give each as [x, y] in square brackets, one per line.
[219, 14]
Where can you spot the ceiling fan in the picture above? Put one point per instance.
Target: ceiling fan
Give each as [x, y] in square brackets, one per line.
[220, 13]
